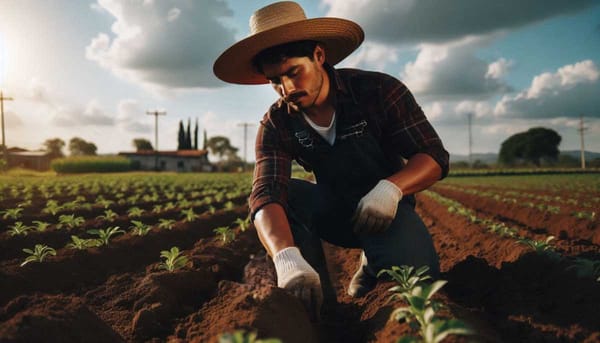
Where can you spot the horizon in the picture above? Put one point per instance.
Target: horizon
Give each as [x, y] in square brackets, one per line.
[96, 77]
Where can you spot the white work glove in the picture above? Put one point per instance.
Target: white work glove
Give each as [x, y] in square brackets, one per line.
[297, 276]
[377, 209]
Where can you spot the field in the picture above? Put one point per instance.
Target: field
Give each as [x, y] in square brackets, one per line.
[521, 255]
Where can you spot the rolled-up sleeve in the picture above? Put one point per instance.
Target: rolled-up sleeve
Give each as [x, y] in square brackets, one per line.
[407, 127]
[272, 171]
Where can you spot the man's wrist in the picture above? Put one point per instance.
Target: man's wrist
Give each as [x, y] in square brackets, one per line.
[390, 188]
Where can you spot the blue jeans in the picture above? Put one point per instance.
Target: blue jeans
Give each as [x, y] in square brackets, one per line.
[315, 213]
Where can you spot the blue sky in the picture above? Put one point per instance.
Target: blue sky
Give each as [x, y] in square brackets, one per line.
[92, 69]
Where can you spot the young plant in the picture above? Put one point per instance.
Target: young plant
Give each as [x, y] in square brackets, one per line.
[406, 277]
[52, 207]
[226, 234]
[139, 229]
[173, 259]
[229, 205]
[243, 223]
[135, 212]
[19, 229]
[109, 216]
[40, 226]
[38, 253]
[538, 246]
[12, 213]
[189, 215]
[69, 221]
[157, 208]
[240, 336]
[82, 243]
[166, 223]
[104, 235]
[211, 209]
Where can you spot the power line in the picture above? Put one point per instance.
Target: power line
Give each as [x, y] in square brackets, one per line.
[4, 151]
[156, 114]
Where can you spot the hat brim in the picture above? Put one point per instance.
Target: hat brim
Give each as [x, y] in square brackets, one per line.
[340, 38]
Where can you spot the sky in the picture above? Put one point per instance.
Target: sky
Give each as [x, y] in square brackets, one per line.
[93, 69]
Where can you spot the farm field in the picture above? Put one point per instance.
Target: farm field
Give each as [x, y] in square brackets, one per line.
[521, 255]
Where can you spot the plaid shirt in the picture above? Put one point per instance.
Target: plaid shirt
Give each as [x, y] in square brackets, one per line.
[405, 131]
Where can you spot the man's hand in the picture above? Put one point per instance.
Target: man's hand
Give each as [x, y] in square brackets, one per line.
[297, 276]
[377, 209]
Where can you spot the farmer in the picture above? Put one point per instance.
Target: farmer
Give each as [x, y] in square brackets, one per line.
[361, 133]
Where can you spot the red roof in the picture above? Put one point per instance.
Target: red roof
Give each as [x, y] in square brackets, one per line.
[177, 153]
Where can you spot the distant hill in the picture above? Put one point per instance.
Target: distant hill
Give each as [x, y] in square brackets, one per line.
[491, 157]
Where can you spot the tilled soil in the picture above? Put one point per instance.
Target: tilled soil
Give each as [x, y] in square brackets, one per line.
[506, 292]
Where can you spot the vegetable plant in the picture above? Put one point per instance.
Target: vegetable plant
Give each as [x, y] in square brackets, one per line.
[240, 336]
[109, 215]
[19, 229]
[173, 259]
[139, 228]
[104, 235]
[166, 223]
[189, 215]
[38, 253]
[82, 243]
[226, 234]
[40, 225]
[12, 213]
[135, 212]
[243, 223]
[69, 221]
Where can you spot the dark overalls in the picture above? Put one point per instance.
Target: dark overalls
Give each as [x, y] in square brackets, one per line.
[345, 172]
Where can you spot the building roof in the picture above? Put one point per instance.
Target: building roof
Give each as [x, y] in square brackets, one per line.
[173, 153]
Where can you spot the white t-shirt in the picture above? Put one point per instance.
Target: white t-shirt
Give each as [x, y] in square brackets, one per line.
[327, 132]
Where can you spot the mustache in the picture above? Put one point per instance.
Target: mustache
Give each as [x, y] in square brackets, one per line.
[294, 96]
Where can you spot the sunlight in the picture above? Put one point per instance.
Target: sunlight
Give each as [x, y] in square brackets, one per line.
[3, 59]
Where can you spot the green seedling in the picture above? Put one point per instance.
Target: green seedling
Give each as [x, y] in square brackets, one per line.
[226, 234]
[406, 277]
[38, 253]
[139, 229]
[104, 235]
[229, 205]
[81, 243]
[69, 221]
[12, 213]
[189, 215]
[19, 229]
[40, 226]
[243, 223]
[240, 336]
[538, 246]
[135, 212]
[109, 215]
[211, 209]
[166, 223]
[157, 208]
[173, 259]
[52, 207]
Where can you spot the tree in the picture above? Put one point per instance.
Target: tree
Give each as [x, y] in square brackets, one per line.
[535, 145]
[79, 147]
[181, 137]
[196, 136]
[205, 142]
[188, 136]
[220, 146]
[142, 144]
[54, 146]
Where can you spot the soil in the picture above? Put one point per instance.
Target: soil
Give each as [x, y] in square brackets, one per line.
[506, 292]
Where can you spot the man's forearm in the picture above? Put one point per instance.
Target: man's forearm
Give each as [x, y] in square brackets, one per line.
[420, 172]
[273, 228]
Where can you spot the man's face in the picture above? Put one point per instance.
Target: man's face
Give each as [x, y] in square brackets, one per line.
[297, 79]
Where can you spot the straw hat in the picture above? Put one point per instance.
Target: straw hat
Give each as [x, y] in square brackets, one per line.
[285, 22]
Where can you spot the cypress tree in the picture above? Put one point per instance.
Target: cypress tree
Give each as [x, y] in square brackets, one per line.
[181, 137]
[205, 144]
[188, 136]
[196, 136]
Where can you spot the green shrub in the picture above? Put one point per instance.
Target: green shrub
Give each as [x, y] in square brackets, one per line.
[91, 164]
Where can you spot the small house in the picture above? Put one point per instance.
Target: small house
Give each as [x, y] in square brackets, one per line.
[176, 160]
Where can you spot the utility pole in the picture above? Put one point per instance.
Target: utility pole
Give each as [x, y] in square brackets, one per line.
[245, 125]
[156, 114]
[469, 116]
[581, 129]
[4, 151]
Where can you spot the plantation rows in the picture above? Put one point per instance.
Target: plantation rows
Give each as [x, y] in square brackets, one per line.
[161, 257]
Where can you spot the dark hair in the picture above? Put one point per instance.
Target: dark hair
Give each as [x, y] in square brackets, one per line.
[278, 53]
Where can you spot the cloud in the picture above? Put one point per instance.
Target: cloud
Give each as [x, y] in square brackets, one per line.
[569, 92]
[77, 116]
[453, 70]
[412, 21]
[372, 55]
[131, 117]
[12, 120]
[160, 44]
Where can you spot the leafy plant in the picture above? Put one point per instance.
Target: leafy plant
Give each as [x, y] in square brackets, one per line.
[227, 235]
[240, 336]
[406, 277]
[166, 223]
[19, 229]
[40, 226]
[135, 212]
[38, 253]
[12, 213]
[69, 221]
[81, 243]
[189, 215]
[173, 259]
[139, 228]
[538, 246]
[109, 215]
[104, 235]
[243, 223]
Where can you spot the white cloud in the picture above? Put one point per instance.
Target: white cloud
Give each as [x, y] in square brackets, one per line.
[133, 118]
[371, 56]
[453, 70]
[163, 45]
[569, 92]
[498, 69]
[12, 120]
[76, 116]
[412, 21]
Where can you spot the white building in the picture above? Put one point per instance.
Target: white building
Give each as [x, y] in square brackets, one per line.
[177, 160]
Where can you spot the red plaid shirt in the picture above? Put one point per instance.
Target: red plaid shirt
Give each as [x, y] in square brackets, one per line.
[405, 131]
